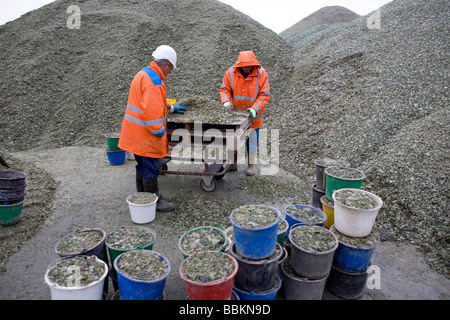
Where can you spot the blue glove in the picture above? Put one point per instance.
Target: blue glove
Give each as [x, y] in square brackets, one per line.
[160, 134]
[180, 108]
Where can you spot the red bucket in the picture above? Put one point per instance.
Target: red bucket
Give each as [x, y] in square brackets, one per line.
[215, 290]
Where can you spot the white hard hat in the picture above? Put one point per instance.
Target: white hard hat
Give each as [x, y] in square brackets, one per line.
[167, 53]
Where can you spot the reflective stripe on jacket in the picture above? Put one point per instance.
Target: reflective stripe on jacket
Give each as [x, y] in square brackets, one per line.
[251, 92]
[146, 115]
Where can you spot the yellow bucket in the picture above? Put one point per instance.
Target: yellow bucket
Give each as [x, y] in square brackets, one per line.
[171, 101]
[329, 211]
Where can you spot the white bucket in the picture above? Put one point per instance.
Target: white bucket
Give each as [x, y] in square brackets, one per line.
[130, 156]
[93, 291]
[355, 222]
[142, 213]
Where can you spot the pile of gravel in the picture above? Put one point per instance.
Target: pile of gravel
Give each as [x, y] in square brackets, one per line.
[63, 87]
[379, 99]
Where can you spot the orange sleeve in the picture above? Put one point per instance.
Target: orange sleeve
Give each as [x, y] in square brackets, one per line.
[263, 94]
[225, 88]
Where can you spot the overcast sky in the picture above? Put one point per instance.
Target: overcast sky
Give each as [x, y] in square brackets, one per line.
[277, 15]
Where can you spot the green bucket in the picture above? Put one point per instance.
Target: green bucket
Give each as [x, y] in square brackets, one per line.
[114, 252]
[112, 141]
[11, 213]
[342, 177]
[201, 242]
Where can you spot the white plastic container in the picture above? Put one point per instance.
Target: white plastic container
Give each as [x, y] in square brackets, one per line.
[93, 291]
[355, 222]
[130, 156]
[142, 213]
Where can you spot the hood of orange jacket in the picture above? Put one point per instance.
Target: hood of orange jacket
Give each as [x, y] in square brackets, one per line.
[246, 59]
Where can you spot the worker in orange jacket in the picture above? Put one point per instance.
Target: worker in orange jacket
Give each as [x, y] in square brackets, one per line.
[144, 124]
[245, 86]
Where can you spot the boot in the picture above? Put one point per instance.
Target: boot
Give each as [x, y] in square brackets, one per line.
[251, 164]
[151, 185]
[139, 182]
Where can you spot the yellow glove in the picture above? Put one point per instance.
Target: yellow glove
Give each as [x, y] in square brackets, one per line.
[227, 105]
[252, 112]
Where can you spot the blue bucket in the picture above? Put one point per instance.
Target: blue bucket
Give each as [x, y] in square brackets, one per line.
[266, 295]
[256, 243]
[293, 221]
[116, 157]
[134, 289]
[350, 258]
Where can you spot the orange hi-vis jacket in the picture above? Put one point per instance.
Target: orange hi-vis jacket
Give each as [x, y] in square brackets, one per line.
[251, 92]
[146, 115]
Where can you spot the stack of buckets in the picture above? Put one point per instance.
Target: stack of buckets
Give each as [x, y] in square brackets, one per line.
[13, 189]
[116, 156]
[319, 190]
[258, 254]
[348, 273]
[305, 272]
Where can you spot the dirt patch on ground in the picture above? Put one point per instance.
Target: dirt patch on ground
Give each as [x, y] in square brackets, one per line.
[89, 192]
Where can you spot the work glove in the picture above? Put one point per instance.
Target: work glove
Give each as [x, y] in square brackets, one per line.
[227, 105]
[160, 134]
[252, 112]
[180, 108]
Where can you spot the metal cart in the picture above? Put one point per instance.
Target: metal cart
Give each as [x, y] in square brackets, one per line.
[227, 138]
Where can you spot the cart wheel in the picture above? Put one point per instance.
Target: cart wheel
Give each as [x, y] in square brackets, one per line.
[211, 187]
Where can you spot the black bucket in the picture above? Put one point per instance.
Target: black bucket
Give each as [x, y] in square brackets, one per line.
[316, 195]
[296, 287]
[99, 250]
[10, 180]
[256, 275]
[345, 284]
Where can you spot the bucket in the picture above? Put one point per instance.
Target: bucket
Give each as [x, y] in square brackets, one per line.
[256, 243]
[316, 195]
[11, 213]
[321, 165]
[92, 291]
[355, 222]
[351, 258]
[336, 183]
[292, 220]
[256, 275]
[142, 213]
[328, 209]
[346, 285]
[13, 194]
[130, 156]
[283, 226]
[98, 250]
[309, 263]
[12, 199]
[115, 252]
[12, 179]
[117, 157]
[220, 232]
[139, 289]
[112, 141]
[215, 290]
[299, 288]
[268, 294]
